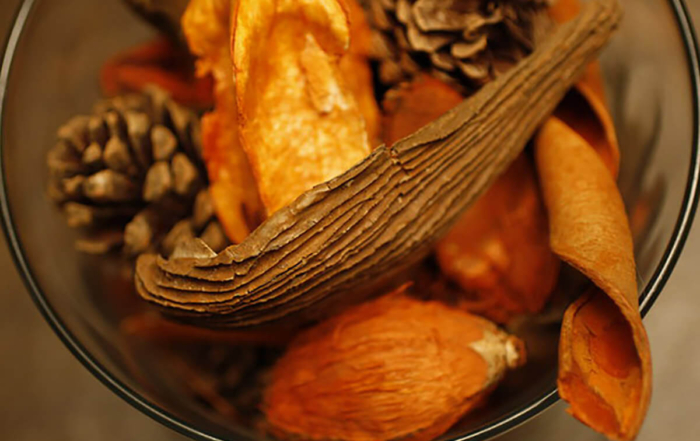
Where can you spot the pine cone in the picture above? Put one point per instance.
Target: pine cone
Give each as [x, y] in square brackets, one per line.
[129, 172]
[463, 42]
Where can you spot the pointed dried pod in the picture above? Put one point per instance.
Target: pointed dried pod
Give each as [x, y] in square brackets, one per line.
[393, 368]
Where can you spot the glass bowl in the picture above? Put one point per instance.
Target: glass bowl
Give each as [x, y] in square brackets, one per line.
[49, 73]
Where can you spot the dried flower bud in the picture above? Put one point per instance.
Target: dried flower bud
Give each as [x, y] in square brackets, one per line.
[393, 368]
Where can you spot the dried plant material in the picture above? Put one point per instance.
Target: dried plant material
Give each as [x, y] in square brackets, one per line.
[203, 210]
[158, 182]
[213, 235]
[604, 359]
[83, 216]
[134, 152]
[584, 110]
[153, 327]
[101, 242]
[382, 216]
[357, 73]
[164, 143]
[393, 368]
[107, 186]
[186, 179]
[413, 105]
[300, 124]
[181, 232]
[205, 23]
[498, 252]
[202, 224]
[562, 11]
[465, 42]
[159, 63]
[232, 186]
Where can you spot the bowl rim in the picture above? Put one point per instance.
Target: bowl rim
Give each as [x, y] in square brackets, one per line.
[647, 297]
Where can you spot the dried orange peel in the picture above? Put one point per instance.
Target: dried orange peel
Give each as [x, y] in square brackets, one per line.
[584, 109]
[300, 124]
[604, 357]
[232, 186]
[205, 24]
[357, 73]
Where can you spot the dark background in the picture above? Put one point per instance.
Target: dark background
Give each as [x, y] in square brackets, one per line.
[45, 394]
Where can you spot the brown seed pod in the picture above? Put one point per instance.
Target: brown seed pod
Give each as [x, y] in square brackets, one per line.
[393, 368]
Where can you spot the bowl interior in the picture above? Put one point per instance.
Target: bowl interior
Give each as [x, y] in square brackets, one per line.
[54, 75]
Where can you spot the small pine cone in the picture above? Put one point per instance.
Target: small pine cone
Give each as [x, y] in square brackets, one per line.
[463, 42]
[128, 172]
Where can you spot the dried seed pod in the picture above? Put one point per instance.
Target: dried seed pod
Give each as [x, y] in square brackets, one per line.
[128, 155]
[393, 368]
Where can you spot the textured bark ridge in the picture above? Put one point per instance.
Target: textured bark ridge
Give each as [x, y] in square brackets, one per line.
[384, 214]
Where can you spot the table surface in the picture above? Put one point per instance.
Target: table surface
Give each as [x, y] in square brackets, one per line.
[46, 393]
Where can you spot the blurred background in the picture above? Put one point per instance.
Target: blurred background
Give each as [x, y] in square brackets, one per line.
[47, 395]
